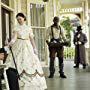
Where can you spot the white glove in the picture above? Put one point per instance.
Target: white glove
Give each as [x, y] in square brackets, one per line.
[35, 51]
[54, 41]
[79, 43]
[75, 43]
[7, 49]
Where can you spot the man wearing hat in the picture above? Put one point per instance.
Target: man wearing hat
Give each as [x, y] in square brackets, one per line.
[54, 35]
[80, 40]
[3, 53]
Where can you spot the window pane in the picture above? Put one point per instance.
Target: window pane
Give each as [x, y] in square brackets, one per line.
[40, 42]
[37, 12]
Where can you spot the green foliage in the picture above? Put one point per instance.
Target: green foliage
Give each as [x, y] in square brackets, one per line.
[67, 26]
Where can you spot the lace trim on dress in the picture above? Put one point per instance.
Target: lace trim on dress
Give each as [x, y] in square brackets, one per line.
[32, 75]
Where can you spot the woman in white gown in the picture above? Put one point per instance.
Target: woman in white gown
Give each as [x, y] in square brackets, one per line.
[25, 53]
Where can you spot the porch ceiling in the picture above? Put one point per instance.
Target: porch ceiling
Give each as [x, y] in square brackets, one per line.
[72, 1]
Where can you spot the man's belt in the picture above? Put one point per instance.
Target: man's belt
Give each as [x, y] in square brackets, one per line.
[58, 44]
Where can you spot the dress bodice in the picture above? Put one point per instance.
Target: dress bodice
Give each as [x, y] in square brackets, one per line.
[23, 31]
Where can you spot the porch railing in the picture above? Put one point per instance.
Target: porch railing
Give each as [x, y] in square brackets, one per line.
[69, 53]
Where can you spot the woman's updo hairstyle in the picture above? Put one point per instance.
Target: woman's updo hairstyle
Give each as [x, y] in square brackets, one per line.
[21, 15]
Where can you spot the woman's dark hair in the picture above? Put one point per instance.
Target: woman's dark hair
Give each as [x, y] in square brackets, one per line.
[21, 15]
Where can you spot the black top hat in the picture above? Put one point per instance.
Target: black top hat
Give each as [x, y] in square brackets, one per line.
[79, 28]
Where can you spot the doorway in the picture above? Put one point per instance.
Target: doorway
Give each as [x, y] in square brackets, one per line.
[6, 27]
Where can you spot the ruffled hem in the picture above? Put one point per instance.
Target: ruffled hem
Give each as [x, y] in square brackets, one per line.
[32, 75]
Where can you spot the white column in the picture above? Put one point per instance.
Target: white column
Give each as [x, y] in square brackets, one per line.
[28, 13]
[58, 7]
[0, 27]
[19, 5]
[86, 28]
[15, 12]
[17, 9]
[54, 7]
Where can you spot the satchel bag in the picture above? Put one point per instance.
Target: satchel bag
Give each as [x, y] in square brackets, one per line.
[58, 42]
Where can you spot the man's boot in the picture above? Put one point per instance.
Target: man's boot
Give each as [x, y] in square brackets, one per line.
[84, 66]
[61, 68]
[51, 74]
[62, 75]
[76, 66]
[51, 68]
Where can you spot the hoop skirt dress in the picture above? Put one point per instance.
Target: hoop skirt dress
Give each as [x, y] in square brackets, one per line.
[27, 60]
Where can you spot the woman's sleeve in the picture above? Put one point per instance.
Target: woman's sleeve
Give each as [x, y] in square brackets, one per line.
[14, 36]
[31, 33]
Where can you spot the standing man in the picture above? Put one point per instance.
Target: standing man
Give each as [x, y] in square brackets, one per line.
[80, 40]
[55, 35]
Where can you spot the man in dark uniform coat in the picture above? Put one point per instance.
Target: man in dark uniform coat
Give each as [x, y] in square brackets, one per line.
[3, 55]
[11, 76]
[80, 40]
[55, 34]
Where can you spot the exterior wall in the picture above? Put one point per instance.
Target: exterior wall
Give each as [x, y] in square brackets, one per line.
[52, 8]
[24, 6]
[0, 27]
[11, 9]
[48, 9]
[14, 8]
[50, 12]
[89, 32]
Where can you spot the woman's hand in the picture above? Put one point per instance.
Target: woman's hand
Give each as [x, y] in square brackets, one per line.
[11, 42]
[7, 48]
[33, 45]
[14, 37]
[23, 72]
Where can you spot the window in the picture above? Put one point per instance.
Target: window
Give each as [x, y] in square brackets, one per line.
[37, 14]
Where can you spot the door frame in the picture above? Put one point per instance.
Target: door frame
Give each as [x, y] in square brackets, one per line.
[11, 16]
